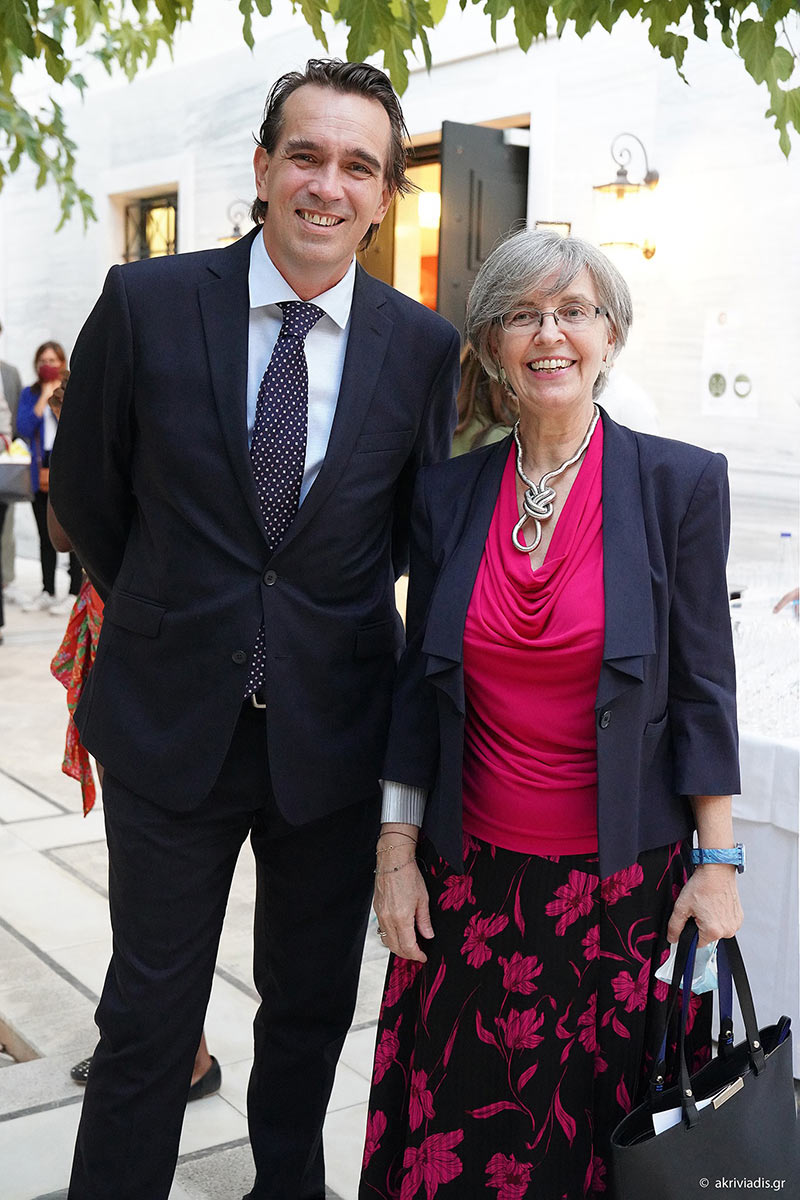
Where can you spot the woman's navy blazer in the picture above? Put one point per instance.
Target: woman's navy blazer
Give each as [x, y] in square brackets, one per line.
[666, 703]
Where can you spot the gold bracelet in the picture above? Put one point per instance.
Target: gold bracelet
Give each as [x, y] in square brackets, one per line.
[386, 849]
[392, 870]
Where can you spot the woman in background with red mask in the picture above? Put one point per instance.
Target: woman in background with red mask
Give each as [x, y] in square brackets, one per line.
[37, 424]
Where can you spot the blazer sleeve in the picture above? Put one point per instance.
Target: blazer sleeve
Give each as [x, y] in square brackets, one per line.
[433, 442]
[90, 469]
[702, 680]
[28, 424]
[412, 752]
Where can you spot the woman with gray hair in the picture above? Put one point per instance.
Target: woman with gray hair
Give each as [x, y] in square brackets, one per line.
[564, 719]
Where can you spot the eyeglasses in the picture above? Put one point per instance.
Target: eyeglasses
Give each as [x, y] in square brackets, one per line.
[571, 316]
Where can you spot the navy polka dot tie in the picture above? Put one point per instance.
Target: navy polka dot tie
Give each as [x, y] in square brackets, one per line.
[278, 446]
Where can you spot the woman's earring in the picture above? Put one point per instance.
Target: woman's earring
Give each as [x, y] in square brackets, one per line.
[501, 375]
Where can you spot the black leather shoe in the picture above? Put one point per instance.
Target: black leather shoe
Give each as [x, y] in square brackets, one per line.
[207, 1084]
[80, 1072]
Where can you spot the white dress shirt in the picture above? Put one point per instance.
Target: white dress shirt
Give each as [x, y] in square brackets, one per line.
[49, 429]
[326, 345]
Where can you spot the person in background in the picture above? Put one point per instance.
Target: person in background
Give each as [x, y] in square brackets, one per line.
[71, 665]
[10, 388]
[5, 442]
[486, 412]
[789, 600]
[37, 423]
[564, 718]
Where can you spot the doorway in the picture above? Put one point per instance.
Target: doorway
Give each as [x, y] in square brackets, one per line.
[472, 190]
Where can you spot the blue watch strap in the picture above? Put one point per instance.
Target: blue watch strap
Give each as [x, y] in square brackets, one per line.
[733, 857]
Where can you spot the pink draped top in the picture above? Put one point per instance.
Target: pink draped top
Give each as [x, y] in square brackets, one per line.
[533, 646]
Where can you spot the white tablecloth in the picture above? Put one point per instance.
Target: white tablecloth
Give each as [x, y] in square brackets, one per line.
[767, 820]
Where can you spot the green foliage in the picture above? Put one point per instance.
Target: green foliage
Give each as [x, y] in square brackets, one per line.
[127, 35]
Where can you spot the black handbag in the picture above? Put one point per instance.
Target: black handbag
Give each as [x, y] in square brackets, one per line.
[746, 1139]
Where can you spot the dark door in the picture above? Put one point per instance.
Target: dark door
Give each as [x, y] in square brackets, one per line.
[484, 194]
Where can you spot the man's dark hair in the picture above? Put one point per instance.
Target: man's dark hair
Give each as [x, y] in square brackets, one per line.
[357, 79]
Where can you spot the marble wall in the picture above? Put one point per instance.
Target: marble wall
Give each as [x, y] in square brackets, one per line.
[721, 294]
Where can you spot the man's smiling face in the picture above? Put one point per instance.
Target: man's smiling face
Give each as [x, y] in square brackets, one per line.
[324, 184]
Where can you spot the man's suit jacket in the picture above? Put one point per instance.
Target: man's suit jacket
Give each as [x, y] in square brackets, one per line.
[12, 386]
[665, 706]
[151, 477]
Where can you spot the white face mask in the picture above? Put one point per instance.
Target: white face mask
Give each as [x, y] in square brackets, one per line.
[704, 978]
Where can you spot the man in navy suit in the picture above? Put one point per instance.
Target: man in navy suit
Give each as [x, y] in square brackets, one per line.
[153, 480]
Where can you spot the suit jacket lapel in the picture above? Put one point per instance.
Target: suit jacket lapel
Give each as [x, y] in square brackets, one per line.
[629, 617]
[225, 310]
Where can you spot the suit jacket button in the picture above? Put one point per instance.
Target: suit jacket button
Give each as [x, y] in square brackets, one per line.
[605, 719]
[269, 578]
[239, 656]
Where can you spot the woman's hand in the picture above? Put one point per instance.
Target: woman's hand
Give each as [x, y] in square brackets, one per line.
[401, 897]
[56, 398]
[712, 898]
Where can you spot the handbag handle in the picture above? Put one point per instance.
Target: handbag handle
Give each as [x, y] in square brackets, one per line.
[682, 972]
[731, 968]
[732, 973]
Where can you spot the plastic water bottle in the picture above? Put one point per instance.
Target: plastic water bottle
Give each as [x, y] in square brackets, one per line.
[788, 572]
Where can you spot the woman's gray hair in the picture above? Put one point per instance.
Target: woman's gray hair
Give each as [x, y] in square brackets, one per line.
[520, 265]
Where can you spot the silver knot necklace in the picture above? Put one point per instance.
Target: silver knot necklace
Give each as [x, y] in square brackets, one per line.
[537, 502]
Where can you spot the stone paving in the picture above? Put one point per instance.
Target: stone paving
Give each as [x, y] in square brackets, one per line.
[54, 948]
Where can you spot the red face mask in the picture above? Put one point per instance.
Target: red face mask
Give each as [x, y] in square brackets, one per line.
[47, 372]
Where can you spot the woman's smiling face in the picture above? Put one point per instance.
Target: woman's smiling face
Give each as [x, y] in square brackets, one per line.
[553, 368]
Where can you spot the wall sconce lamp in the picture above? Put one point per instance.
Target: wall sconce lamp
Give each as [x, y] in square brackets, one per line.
[238, 212]
[626, 211]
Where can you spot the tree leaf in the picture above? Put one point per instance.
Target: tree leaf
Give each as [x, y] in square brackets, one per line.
[312, 10]
[55, 62]
[15, 25]
[530, 21]
[756, 42]
[785, 108]
[246, 9]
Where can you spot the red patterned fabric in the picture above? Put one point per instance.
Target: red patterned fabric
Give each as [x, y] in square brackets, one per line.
[503, 1063]
[70, 666]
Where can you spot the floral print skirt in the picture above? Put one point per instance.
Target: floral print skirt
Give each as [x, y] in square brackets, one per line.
[503, 1064]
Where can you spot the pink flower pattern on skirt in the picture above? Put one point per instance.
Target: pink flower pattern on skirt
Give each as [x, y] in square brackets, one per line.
[519, 972]
[457, 892]
[519, 1029]
[504, 1062]
[511, 1178]
[376, 1127]
[432, 1164]
[477, 935]
[574, 900]
[420, 1105]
